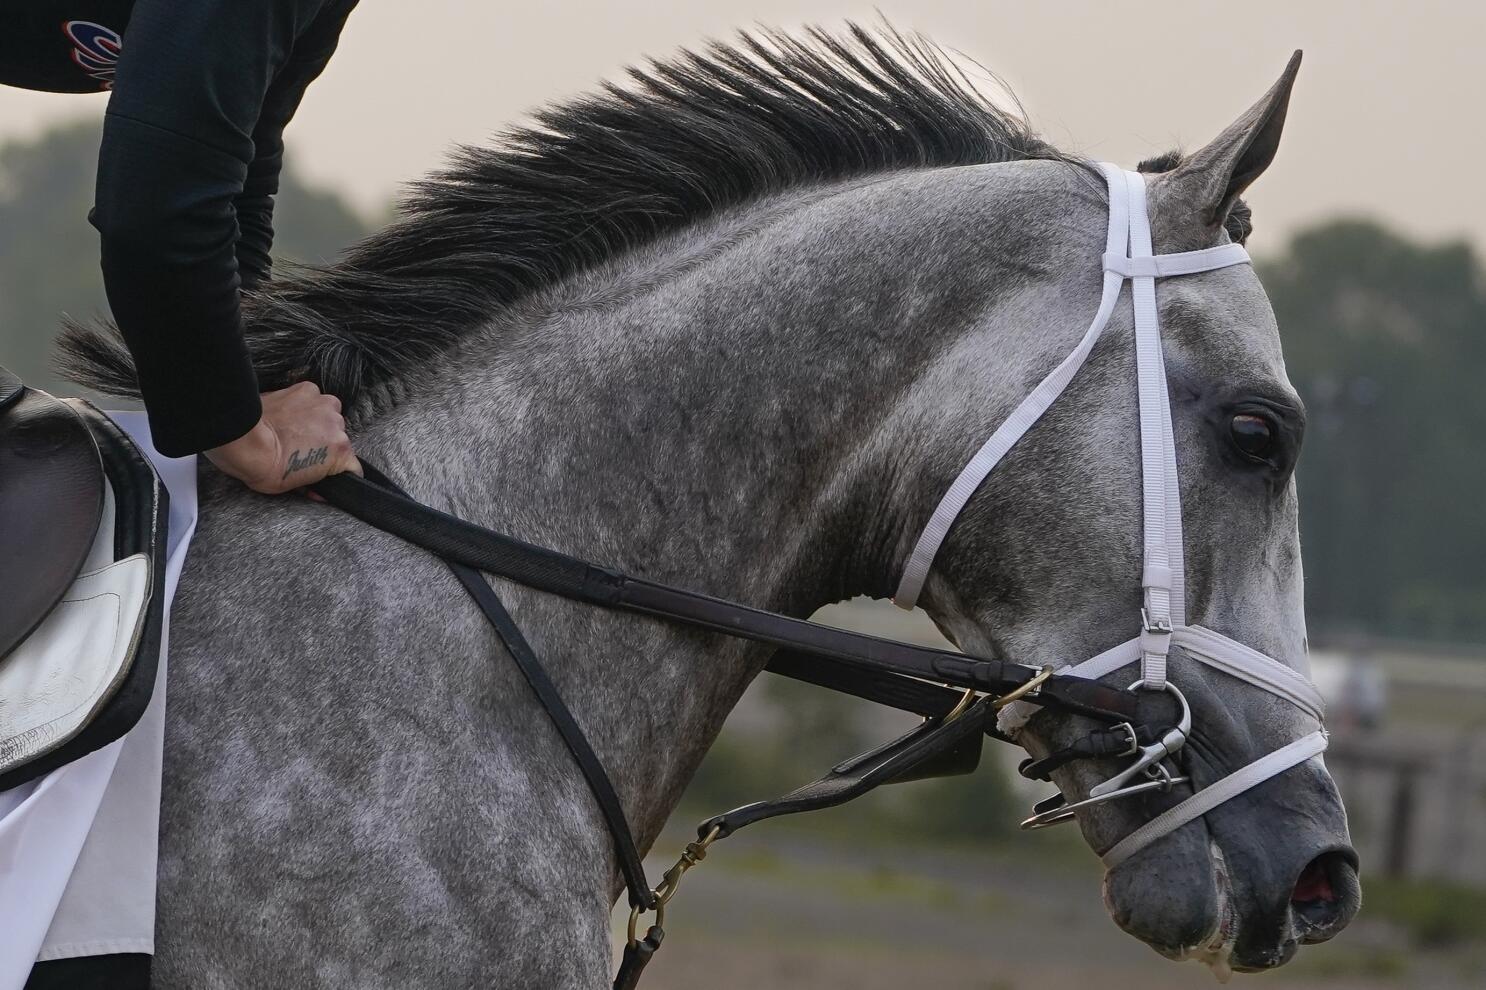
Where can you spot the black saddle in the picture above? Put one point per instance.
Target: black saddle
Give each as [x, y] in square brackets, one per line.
[74, 491]
[51, 498]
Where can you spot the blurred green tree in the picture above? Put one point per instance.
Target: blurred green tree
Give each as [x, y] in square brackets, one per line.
[49, 253]
[1386, 341]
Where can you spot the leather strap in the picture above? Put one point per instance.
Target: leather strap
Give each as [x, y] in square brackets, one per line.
[906, 694]
[1098, 744]
[876, 669]
[899, 760]
[462, 542]
[1180, 263]
[973, 475]
[637, 956]
[630, 865]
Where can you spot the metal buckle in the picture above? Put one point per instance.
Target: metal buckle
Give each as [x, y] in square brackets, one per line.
[1158, 626]
[1147, 761]
[694, 853]
[1130, 734]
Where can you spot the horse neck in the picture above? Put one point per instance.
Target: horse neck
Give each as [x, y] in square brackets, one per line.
[711, 411]
[726, 411]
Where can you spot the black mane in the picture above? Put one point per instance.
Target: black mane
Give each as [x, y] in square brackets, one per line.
[597, 176]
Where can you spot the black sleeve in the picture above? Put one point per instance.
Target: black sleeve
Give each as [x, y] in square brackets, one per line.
[254, 209]
[178, 150]
[254, 205]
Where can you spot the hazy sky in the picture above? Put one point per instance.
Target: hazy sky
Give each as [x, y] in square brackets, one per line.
[1386, 119]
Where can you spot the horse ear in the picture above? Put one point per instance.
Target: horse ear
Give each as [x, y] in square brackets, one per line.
[1212, 178]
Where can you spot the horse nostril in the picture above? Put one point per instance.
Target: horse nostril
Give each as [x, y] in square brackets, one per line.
[1313, 885]
[1326, 895]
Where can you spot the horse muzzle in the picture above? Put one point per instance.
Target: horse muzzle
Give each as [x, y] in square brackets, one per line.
[1244, 888]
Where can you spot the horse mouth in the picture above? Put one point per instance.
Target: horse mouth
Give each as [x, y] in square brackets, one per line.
[1325, 897]
[1216, 951]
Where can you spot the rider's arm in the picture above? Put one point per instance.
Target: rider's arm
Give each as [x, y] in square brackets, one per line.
[196, 84]
[254, 209]
[254, 205]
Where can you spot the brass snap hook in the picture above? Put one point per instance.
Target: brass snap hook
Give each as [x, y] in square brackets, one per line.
[1028, 688]
[670, 881]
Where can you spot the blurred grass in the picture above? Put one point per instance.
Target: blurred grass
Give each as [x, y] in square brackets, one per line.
[1434, 915]
[903, 888]
[1368, 962]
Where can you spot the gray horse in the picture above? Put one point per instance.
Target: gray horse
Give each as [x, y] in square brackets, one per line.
[734, 325]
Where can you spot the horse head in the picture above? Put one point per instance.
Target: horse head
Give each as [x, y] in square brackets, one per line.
[1045, 565]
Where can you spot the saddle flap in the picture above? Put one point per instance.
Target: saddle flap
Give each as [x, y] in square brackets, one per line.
[51, 500]
[61, 675]
[81, 676]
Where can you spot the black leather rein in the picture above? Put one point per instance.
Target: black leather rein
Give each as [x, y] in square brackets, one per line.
[376, 501]
[899, 675]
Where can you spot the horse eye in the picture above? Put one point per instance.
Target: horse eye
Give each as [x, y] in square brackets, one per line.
[1254, 435]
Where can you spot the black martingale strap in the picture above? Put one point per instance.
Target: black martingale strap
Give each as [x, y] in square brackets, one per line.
[879, 670]
[572, 734]
[637, 956]
[630, 866]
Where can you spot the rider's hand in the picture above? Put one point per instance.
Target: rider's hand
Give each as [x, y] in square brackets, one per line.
[300, 439]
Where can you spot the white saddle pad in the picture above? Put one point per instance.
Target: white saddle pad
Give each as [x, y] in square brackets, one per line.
[54, 682]
[78, 846]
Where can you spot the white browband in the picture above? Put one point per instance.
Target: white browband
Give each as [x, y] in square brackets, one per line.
[1128, 256]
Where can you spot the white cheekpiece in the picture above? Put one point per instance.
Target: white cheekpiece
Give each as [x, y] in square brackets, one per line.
[1162, 625]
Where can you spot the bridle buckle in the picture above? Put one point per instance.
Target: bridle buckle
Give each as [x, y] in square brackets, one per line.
[1161, 625]
[1155, 644]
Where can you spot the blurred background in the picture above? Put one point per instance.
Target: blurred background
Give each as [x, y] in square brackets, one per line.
[1369, 236]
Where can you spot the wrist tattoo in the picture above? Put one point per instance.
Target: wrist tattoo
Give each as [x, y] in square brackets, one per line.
[310, 459]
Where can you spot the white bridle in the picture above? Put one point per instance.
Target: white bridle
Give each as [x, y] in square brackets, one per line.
[1163, 615]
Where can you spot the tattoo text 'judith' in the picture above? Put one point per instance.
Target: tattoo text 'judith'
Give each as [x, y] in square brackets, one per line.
[298, 463]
